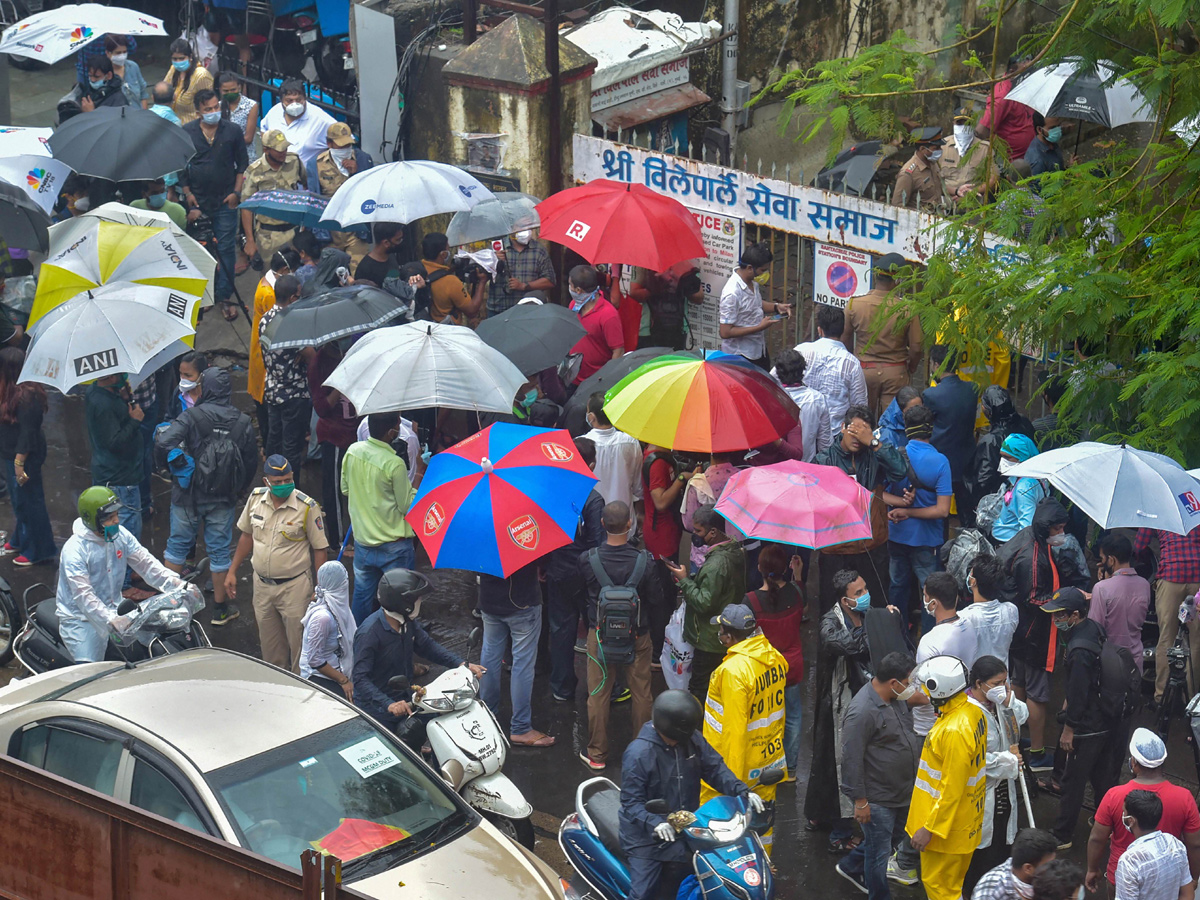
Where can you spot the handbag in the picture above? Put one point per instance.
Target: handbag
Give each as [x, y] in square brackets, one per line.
[676, 656]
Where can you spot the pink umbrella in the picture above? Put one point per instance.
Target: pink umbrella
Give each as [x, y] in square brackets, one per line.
[797, 503]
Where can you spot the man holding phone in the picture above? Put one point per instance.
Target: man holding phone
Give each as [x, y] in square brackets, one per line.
[526, 268]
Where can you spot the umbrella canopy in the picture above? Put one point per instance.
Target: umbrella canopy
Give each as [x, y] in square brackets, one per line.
[294, 207]
[86, 252]
[701, 406]
[501, 499]
[1073, 90]
[115, 328]
[57, 33]
[403, 192]
[1119, 486]
[797, 503]
[575, 412]
[41, 177]
[853, 169]
[610, 221]
[534, 336]
[23, 223]
[123, 143]
[17, 140]
[330, 315]
[423, 364]
[505, 213]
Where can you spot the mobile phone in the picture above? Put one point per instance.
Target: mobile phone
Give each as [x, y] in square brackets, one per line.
[498, 246]
[777, 317]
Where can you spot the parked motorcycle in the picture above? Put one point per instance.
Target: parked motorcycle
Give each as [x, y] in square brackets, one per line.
[728, 858]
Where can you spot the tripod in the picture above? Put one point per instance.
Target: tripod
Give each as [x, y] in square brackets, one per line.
[1179, 659]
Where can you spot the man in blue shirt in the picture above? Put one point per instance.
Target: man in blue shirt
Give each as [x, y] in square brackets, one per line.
[1044, 153]
[915, 531]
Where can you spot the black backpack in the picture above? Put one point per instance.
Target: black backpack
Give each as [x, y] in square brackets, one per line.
[220, 470]
[617, 611]
[423, 301]
[1119, 685]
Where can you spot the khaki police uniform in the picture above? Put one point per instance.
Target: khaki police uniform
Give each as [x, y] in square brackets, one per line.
[969, 168]
[330, 178]
[921, 180]
[271, 234]
[284, 537]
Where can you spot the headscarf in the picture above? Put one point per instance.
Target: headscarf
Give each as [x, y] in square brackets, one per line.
[333, 593]
[325, 276]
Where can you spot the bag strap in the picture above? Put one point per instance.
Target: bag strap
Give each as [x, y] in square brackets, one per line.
[639, 569]
[754, 603]
[598, 568]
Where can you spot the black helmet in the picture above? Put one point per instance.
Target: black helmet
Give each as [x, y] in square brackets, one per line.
[399, 590]
[676, 715]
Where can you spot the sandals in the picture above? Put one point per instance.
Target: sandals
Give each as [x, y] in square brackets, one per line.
[844, 845]
[229, 311]
[531, 739]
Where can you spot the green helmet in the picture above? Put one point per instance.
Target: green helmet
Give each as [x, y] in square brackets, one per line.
[96, 504]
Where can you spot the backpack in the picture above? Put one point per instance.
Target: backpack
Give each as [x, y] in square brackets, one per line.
[423, 301]
[220, 471]
[617, 610]
[1119, 683]
[988, 510]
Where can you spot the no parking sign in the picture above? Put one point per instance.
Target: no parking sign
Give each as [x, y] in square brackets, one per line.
[839, 274]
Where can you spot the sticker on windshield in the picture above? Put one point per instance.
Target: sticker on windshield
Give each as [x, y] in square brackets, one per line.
[305, 763]
[369, 757]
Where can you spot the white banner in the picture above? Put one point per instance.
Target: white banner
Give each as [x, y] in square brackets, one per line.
[722, 237]
[669, 74]
[839, 274]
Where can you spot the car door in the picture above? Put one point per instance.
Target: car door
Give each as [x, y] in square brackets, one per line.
[156, 785]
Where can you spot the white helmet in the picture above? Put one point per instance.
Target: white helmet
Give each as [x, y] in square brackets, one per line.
[942, 677]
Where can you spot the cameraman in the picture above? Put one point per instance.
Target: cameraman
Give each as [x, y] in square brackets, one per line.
[449, 296]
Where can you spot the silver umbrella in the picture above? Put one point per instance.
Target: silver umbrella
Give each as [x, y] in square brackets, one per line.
[507, 212]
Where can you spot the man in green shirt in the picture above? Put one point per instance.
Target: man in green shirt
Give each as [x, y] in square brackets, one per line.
[375, 479]
[154, 199]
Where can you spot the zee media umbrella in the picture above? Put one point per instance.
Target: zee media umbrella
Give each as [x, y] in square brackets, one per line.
[123, 143]
[501, 499]
[333, 314]
[403, 192]
[535, 336]
[57, 33]
[294, 207]
[23, 223]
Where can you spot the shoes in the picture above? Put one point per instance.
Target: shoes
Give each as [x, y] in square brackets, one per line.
[621, 695]
[22, 561]
[223, 614]
[789, 778]
[1063, 843]
[853, 879]
[476, 613]
[581, 646]
[899, 875]
[591, 763]
[561, 699]
[1043, 762]
[9, 548]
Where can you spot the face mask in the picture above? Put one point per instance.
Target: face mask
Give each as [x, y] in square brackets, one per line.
[1024, 891]
[1057, 540]
[157, 201]
[963, 135]
[1127, 821]
[863, 603]
[232, 97]
[580, 299]
[185, 385]
[529, 398]
[118, 59]
[935, 155]
[930, 606]
[211, 118]
[908, 691]
[294, 109]
[342, 153]
[83, 204]
[111, 532]
[97, 85]
[998, 694]
[1006, 465]
[523, 237]
[181, 65]
[1054, 135]
[1062, 625]
[283, 490]
[763, 278]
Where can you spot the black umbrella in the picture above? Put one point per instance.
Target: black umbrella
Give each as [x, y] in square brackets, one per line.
[23, 223]
[852, 169]
[534, 336]
[575, 412]
[124, 143]
[330, 315]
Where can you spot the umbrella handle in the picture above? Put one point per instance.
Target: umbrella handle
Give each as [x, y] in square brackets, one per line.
[345, 541]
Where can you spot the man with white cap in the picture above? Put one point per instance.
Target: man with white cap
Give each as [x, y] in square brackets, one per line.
[1147, 757]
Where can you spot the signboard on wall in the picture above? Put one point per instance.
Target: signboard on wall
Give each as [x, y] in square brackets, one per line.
[839, 274]
[669, 74]
[722, 237]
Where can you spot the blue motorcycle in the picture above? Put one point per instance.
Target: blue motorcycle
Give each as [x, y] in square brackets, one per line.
[728, 858]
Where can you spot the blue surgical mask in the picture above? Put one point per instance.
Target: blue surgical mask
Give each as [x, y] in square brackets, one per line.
[111, 532]
[580, 299]
[181, 65]
[97, 85]
[1054, 135]
[529, 398]
[935, 155]
[863, 603]
[211, 118]
[157, 201]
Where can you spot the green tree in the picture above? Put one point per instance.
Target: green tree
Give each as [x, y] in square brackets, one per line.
[1107, 268]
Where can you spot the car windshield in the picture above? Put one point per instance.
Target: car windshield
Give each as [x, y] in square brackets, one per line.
[347, 790]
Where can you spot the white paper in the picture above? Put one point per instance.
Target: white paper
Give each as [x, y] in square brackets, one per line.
[369, 758]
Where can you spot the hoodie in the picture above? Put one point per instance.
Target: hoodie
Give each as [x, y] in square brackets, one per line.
[983, 478]
[1021, 495]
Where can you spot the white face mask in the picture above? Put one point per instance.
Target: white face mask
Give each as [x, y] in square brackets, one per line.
[908, 691]
[998, 694]
[1007, 465]
[1024, 891]
[930, 607]
[523, 237]
[294, 109]
[118, 59]
[963, 135]
[1057, 540]
[185, 385]
[342, 153]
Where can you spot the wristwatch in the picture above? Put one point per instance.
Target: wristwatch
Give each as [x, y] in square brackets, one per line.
[680, 478]
[874, 443]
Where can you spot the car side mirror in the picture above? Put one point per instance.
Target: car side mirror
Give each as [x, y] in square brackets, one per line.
[771, 776]
[658, 807]
[453, 773]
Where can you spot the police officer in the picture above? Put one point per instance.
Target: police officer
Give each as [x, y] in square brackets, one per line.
[920, 181]
[334, 167]
[280, 525]
[275, 170]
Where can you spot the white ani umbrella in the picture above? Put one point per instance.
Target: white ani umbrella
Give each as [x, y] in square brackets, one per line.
[1120, 487]
[115, 328]
[1073, 90]
[57, 33]
[403, 192]
[424, 364]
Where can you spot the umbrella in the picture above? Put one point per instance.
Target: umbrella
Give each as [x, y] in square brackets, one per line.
[57, 33]
[701, 406]
[1119, 486]
[194, 251]
[86, 252]
[294, 207]
[609, 221]
[423, 364]
[505, 213]
[115, 328]
[403, 192]
[1072, 89]
[575, 412]
[124, 143]
[330, 315]
[797, 503]
[853, 169]
[23, 223]
[17, 140]
[534, 336]
[41, 177]
[501, 499]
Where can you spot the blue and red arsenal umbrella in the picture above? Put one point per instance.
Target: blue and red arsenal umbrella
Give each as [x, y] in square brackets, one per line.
[501, 499]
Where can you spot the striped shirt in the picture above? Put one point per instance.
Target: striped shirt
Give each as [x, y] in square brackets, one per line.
[1154, 867]
[837, 374]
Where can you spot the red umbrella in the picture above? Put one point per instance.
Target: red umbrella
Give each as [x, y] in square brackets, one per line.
[613, 222]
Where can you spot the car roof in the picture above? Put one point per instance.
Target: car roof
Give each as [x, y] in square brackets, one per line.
[215, 706]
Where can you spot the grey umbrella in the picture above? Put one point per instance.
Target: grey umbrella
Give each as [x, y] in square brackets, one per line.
[23, 223]
[574, 416]
[534, 336]
[510, 211]
[330, 315]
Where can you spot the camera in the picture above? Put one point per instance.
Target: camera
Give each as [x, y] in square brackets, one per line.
[468, 271]
[201, 231]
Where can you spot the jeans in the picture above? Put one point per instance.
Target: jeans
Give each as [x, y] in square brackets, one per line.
[905, 562]
[369, 565]
[288, 424]
[32, 534]
[82, 640]
[793, 705]
[147, 427]
[130, 516]
[523, 627]
[225, 227]
[565, 606]
[217, 523]
[870, 858]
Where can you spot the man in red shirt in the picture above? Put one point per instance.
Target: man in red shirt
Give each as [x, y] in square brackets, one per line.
[604, 339]
[1011, 122]
[662, 491]
[1148, 755]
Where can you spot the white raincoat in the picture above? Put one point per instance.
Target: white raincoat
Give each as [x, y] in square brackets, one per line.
[1000, 764]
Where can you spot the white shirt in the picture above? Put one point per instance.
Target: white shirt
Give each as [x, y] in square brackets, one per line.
[954, 638]
[835, 372]
[306, 134]
[618, 465]
[1153, 867]
[994, 622]
[742, 306]
[815, 425]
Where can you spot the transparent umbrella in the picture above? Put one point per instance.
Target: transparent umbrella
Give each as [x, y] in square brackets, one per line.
[505, 214]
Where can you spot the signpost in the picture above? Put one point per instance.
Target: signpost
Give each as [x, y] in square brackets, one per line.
[839, 274]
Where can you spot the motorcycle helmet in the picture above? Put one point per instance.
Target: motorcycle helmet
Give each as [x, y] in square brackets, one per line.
[96, 504]
[942, 677]
[676, 715]
[400, 589]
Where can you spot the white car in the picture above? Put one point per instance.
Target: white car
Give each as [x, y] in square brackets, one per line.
[231, 746]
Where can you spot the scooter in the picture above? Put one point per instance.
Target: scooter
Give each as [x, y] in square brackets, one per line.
[728, 857]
